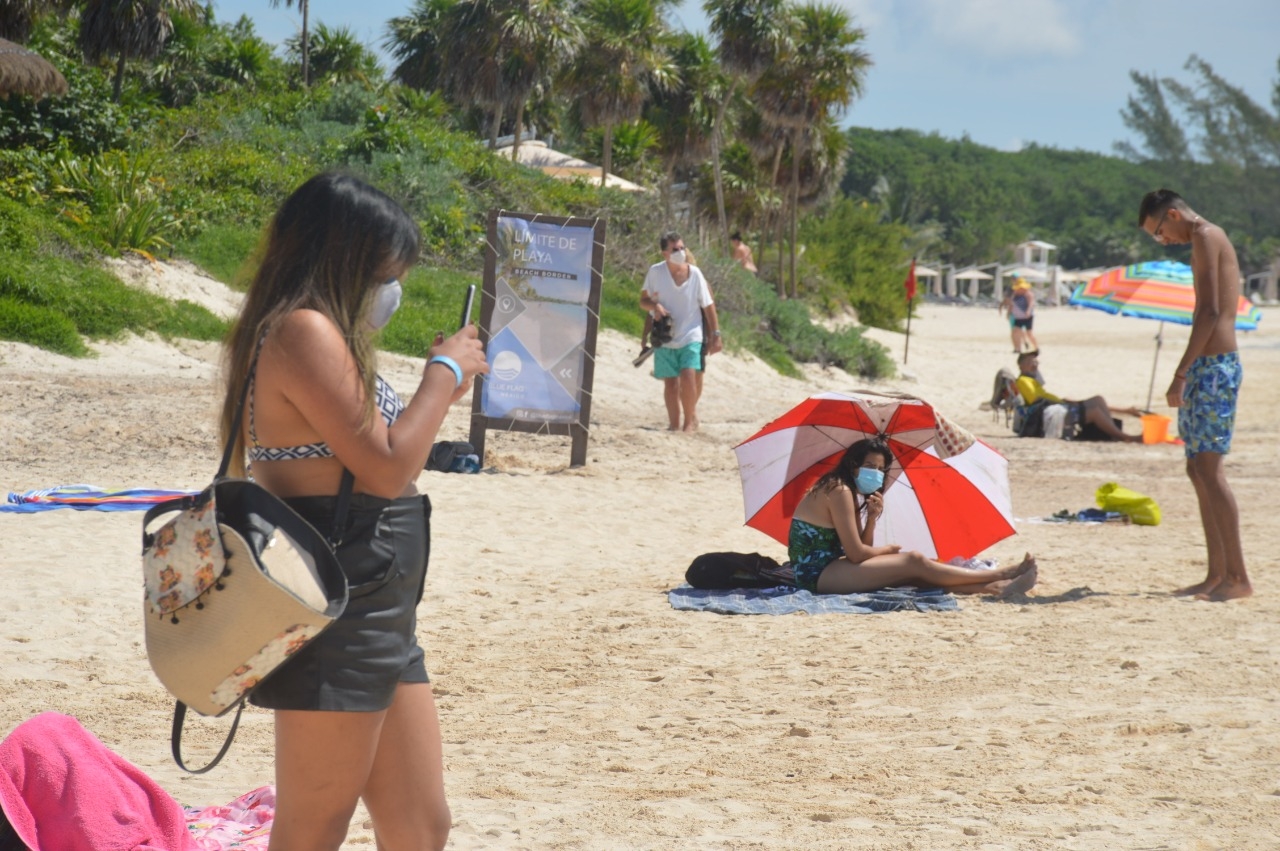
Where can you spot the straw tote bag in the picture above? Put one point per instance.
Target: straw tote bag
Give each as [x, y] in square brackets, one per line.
[235, 583]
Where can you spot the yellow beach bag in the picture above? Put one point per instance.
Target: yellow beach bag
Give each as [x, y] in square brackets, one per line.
[1139, 508]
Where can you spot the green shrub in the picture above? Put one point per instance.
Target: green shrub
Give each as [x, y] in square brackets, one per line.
[223, 251]
[782, 331]
[864, 257]
[432, 302]
[39, 326]
[123, 198]
[47, 268]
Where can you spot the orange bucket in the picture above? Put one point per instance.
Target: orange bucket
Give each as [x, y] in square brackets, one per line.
[1155, 428]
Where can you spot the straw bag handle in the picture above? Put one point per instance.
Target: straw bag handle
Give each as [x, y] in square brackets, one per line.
[175, 738]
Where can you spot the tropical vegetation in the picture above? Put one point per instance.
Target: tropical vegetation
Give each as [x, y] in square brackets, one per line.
[180, 134]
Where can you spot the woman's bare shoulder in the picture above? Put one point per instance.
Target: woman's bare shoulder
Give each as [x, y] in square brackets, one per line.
[307, 337]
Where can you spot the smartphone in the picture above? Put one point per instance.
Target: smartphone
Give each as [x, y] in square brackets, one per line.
[466, 307]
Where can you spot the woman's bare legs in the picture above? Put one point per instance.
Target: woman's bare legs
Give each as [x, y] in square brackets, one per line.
[325, 762]
[910, 568]
[405, 792]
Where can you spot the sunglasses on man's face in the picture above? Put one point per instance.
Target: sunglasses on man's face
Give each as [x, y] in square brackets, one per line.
[1157, 234]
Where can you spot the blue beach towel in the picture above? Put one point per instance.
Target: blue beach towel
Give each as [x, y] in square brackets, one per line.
[784, 601]
[87, 498]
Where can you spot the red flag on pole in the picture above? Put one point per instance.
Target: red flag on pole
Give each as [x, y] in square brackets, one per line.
[910, 283]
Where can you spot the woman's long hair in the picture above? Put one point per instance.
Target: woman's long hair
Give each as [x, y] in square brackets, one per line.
[846, 472]
[328, 248]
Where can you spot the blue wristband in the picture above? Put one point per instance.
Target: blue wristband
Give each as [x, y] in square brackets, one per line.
[452, 364]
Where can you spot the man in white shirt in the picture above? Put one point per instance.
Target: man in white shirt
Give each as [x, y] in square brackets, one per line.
[677, 288]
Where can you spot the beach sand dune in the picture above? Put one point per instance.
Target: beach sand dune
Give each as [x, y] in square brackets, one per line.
[580, 711]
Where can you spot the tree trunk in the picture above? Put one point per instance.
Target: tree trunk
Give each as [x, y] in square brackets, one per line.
[118, 83]
[782, 255]
[515, 145]
[306, 46]
[668, 181]
[716, 140]
[495, 127]
[795, 202]
[608, 154]
[773, 190]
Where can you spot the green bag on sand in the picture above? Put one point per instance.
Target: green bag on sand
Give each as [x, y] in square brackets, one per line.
[1137, 507]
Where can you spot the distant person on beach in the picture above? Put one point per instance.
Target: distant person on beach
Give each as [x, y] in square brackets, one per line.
[354, 714]
[1092, 411]
[1020, 304]
[1206, 384]
[830, 544]
[675, 287]
[742, 253]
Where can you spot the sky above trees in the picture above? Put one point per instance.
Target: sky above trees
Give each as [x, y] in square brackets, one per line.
[1004, 72]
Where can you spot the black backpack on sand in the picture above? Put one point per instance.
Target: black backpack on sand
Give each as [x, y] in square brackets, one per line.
[737, 570]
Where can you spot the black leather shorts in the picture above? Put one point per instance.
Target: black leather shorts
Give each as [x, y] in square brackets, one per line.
[355, 664]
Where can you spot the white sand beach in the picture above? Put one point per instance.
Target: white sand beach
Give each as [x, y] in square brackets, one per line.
[580, 711]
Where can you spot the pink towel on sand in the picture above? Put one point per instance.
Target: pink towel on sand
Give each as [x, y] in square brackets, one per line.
[63, 790]
[243, 825]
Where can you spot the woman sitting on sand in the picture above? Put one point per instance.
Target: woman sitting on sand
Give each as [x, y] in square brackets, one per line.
[833, 527]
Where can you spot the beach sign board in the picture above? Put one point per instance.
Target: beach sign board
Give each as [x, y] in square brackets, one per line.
[539, 319]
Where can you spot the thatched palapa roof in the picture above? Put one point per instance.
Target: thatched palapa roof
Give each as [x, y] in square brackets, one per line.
[24, 72]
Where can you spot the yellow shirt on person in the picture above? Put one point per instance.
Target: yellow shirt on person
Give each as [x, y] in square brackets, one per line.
[1033, 391]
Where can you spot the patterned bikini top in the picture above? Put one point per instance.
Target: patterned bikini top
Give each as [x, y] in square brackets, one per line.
[389, 405]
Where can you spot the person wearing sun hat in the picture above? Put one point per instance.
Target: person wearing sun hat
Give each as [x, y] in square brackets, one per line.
[1021, 306]
[1092, 411]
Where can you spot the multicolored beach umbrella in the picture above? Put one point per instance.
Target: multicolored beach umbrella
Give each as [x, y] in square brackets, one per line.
[1157, 289]
[947, 493]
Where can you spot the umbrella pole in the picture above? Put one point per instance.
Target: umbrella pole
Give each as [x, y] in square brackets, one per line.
[1152, 387]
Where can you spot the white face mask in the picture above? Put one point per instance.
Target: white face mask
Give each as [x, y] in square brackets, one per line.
[385, 303]
[678, 257]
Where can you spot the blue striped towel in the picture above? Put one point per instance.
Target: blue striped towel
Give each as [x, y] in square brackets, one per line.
[785, 601]
[87, 498]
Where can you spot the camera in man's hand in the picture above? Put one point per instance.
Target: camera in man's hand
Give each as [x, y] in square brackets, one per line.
[661, 333]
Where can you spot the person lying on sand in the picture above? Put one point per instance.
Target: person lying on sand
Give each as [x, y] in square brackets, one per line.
[833, 527]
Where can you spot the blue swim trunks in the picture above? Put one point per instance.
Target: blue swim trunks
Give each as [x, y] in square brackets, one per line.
[668, 362]
[1208, 413]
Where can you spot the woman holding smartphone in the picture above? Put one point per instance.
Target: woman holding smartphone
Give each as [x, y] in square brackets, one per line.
[354, 713]
[830, 544]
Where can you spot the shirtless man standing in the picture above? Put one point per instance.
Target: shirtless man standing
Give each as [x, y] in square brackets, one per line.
[1206, 384]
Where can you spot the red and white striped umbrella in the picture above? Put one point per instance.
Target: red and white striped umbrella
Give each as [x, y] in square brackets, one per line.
[947, 494]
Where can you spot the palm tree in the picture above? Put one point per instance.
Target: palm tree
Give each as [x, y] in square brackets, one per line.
[539, 38]
[624, 58]
[128, 29]
[473, 58]
[17, 17]
[416, 42]
[304, 6]
[337, 56]
[685, 114]
[818, 76]
[751, 33]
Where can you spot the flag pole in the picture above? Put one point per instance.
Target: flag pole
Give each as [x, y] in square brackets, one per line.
[907, 347]
[910, 285]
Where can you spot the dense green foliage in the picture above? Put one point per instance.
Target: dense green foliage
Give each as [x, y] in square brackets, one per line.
[968, 204]
[199, 171]
[52, 291]
[186, 133]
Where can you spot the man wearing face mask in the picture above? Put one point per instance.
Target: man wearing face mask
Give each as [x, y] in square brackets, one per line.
[676, 288]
